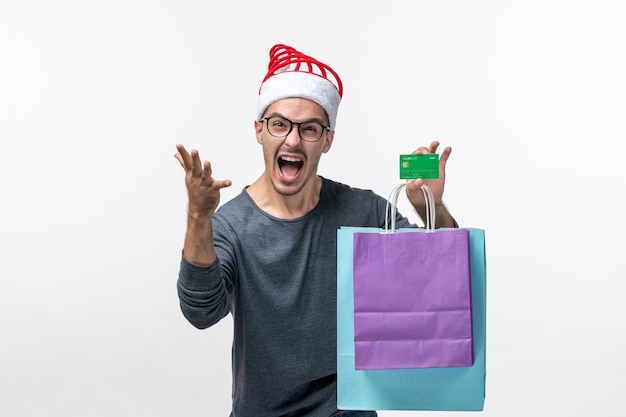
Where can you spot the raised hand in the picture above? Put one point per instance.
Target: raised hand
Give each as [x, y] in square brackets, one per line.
[204, 197]
[437, 185]
[202, 188]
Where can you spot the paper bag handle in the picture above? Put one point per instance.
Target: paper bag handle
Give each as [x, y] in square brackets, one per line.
[392, 207]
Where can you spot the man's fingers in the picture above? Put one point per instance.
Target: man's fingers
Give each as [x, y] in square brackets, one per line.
[421, 150]
[179, 158]
[183, 156]
[191, 162]
[432, 148]
[196, 165]
[206, 169]
[443, 158]
[222, 183]
[207, 177]
[414, 185]
[446, 153]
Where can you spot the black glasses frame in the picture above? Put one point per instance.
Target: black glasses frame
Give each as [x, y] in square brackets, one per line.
[291, 125]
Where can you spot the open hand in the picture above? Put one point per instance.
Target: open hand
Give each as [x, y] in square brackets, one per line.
[202, 188]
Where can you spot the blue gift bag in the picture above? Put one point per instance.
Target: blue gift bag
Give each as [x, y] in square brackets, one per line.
[450, 389]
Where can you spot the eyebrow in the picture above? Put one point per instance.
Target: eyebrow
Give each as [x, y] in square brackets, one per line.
[312, 119]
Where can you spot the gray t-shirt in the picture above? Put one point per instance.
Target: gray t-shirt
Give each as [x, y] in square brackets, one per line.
[278, 279]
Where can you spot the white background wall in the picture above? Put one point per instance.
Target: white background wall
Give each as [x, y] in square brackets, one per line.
[94, 96]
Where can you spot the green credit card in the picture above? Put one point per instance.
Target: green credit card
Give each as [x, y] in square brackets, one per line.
[415, 166]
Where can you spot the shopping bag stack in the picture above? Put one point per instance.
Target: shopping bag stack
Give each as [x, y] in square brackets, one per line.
[411, 316]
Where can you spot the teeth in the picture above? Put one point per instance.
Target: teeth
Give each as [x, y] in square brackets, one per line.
[290, 159]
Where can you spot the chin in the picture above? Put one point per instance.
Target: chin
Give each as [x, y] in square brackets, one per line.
[288, 188]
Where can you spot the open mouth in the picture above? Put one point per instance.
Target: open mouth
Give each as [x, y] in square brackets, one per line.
[289, 167]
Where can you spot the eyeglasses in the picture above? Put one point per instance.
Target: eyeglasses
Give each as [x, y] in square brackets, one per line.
[279, 127]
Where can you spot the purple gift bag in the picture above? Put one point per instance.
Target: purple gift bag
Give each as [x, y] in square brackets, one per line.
[412, 299]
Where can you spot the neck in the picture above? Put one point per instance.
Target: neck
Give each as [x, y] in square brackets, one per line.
[283, 206]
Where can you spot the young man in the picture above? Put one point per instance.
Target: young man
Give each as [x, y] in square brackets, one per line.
[268, 256]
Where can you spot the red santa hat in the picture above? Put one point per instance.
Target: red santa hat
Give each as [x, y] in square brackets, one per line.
[293, 74]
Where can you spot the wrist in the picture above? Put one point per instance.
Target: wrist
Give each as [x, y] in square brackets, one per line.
[197, 215]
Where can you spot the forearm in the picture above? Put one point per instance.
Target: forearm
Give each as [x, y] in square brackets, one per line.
[443, 218]
[203, 292]
[203, 288]
[199, 248]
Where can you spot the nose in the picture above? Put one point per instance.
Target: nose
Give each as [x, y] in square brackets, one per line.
[293, 138]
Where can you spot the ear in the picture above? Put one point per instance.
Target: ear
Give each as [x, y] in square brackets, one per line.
[330, 136]
[258, 129]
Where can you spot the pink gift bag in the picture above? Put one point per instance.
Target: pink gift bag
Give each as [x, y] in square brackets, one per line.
[412, 297]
